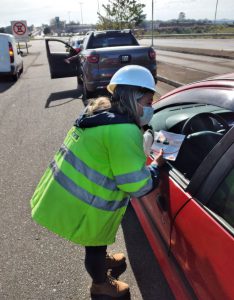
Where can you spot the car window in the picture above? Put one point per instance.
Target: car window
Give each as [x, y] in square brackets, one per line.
[203, 131]
[111, 41]
[222, 201]
[85, 41]
[57, 47]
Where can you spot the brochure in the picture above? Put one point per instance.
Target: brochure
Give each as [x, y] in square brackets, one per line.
[169, 142]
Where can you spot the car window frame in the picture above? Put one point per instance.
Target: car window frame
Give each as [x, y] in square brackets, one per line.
[217, 215]
[208, 164]
[216, 176]
[213, 181]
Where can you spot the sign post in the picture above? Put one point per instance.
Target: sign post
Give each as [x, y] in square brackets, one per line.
[20, 31]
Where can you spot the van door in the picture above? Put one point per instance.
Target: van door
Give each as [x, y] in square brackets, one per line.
[57, 51]
[4, 54]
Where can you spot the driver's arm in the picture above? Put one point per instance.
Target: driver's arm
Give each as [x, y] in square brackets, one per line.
[72, 58]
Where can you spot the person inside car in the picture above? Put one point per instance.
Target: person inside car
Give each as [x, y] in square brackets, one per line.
[74, 58]
[85, 191]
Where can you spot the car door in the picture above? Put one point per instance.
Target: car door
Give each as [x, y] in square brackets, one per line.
[57, 51]
[202, 239]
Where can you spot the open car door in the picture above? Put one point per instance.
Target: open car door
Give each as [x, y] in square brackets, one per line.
[57, 51]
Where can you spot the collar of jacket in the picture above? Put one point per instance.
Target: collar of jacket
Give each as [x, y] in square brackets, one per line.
[102, 118]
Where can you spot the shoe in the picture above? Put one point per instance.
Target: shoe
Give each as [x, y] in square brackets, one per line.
[111, 288]
[115, 260]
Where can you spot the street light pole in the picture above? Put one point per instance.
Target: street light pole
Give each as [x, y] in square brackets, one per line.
[216, 11]
[81, 12]
[69, 20]
[98, 7]
[152, 25]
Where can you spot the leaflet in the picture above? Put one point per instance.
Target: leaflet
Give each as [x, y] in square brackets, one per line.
[169, 142]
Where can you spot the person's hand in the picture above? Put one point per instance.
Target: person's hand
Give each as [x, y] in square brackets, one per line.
[159, 160]
[67, 61]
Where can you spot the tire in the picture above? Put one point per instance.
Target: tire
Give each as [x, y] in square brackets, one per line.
[16, 76]
[79, 84]
[86, 94]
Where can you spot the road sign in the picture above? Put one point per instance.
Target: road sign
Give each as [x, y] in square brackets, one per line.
[20, 30]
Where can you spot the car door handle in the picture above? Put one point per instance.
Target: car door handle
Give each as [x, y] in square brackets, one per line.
[162, 202]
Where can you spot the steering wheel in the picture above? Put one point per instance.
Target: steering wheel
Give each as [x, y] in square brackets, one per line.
[204, 122]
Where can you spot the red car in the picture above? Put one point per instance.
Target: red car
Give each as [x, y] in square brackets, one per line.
[189, 218]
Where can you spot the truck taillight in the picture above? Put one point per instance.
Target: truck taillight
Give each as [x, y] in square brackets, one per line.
[93, 58]
[152, 54]
[11, 52]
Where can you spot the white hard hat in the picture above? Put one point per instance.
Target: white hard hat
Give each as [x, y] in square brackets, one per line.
[132, 75]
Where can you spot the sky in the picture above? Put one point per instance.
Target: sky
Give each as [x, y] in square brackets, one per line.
[41, 12]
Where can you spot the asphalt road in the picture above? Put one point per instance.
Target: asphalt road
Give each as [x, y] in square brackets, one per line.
[34, 263]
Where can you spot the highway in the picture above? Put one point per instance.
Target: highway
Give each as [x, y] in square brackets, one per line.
[185, 68]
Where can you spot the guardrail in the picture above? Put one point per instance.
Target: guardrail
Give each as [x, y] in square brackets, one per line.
[184, 35]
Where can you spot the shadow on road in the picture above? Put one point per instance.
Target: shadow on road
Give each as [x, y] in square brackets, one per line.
[5, 84]
[127, 297]
[149, 277]
[68, 96]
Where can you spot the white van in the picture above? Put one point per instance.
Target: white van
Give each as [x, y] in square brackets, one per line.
[11, 62]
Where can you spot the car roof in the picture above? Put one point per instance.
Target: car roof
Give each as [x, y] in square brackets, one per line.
[6, 35]
[216, 90]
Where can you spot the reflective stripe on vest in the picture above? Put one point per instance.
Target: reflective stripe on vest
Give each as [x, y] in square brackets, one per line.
[81, 167]
[104, 181]
[144, 190]
[133, 177]
[84, 195]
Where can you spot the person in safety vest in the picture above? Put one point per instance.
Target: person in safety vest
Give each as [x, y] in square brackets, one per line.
[85, 191]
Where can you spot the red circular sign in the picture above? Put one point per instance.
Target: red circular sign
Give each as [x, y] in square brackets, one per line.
[19, 28]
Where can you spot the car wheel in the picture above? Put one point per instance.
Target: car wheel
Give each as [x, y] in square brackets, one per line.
[16, 76]
[86, 94]
[79, 84]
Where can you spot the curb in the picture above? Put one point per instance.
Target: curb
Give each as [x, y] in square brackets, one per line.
[170, 82]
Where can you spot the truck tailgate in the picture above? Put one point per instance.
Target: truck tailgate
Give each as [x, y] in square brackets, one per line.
[113, 58]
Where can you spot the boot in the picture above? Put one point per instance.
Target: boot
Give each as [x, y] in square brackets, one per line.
[115, 260]
[111, 287]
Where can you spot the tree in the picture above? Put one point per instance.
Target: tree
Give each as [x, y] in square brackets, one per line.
[121, 14]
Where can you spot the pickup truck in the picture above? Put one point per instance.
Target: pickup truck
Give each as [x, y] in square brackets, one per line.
[102, 54]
